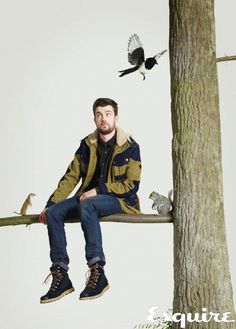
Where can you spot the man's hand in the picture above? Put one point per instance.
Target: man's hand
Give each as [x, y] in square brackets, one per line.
[43, 217]
[88, 194]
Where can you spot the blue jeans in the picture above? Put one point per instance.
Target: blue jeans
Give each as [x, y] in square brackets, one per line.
[89, 211]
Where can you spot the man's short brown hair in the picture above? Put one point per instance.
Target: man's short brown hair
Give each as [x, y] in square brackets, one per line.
[104, 102]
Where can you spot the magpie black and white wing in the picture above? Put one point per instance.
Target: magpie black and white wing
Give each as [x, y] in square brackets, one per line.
[160, 54]
[135, 50]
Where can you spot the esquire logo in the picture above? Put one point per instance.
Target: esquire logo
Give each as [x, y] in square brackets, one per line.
[183, 318]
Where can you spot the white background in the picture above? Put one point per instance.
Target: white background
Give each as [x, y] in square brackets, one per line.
[57, 57]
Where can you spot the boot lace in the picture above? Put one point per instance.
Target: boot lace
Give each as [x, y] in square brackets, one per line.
[57, 276]
[92, 275]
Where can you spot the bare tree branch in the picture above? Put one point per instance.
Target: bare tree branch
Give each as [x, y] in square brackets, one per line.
[119, 218]
[226, 58]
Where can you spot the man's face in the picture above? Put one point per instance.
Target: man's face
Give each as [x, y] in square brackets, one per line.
[105, 119]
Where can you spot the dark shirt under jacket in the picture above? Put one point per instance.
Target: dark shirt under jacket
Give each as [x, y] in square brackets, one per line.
[104, 153]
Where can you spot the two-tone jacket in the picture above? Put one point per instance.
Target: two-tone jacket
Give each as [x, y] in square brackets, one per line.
[123, 173]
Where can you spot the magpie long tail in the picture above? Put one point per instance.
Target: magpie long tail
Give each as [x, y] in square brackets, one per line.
[127, 71]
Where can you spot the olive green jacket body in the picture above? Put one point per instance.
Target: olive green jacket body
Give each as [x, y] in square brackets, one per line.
[123, 173]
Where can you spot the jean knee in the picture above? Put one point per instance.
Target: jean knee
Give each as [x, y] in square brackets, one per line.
[53, 212]
[86, 207]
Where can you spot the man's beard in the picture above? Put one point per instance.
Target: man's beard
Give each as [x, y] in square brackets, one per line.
[106, 131]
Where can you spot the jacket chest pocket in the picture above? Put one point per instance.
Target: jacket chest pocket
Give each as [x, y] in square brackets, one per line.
[119, 170]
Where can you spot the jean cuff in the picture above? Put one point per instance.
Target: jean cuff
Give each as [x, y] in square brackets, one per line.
[95, 260]
[63, 265]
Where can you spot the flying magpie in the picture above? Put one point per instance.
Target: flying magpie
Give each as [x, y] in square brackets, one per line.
[136, 57]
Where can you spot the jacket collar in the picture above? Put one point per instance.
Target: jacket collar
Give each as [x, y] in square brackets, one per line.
[121, 137]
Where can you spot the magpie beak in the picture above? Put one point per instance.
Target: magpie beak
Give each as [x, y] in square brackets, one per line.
[136, 57]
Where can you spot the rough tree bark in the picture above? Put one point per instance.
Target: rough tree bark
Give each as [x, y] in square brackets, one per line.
[201, 268]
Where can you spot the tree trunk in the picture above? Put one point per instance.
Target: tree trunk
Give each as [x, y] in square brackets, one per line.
[201, 268]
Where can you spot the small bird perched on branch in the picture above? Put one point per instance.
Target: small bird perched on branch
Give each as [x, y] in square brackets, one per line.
[136, 57]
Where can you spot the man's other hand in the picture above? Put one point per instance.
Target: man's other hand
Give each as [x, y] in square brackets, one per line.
[88, 194]
[43, 216]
